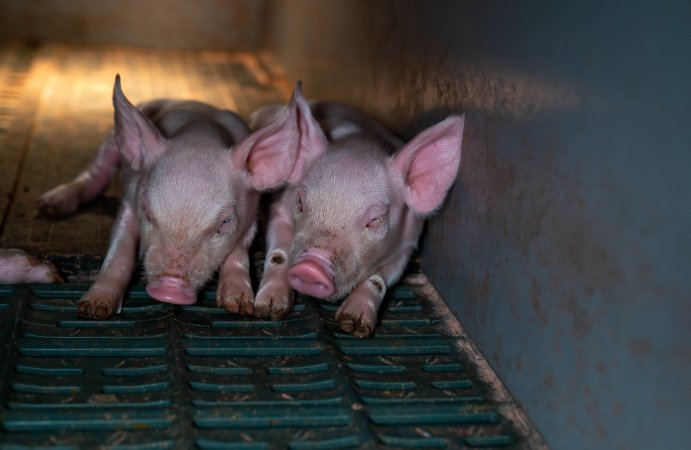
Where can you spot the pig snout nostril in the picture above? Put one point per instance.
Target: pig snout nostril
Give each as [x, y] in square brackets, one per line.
[311, 275]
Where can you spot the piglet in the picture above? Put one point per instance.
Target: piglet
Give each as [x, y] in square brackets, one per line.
[17, 266]
[191, 181]
[346, 229]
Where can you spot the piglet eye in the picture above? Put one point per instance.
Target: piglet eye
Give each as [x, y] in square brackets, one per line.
[227, 225]
[376, 219]
[144, 212]
[299, 202]
[375, 223]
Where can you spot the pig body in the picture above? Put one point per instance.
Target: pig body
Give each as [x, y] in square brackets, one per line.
[17, 266]
[346, 229]
[191, 181]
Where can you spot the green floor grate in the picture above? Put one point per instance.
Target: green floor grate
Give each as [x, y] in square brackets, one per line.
[158, 376]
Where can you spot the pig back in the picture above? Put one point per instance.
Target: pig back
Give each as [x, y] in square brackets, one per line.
[340, 121]
[173, 117]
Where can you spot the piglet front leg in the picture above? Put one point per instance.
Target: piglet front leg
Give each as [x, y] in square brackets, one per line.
[357, 314]
[17, 266]
[105, 295]
[275, 295]
[234, 292]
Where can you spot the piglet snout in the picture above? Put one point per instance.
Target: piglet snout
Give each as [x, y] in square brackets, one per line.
[173, 290]
[312, 274]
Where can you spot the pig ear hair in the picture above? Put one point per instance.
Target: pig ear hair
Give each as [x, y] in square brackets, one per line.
[138, 139]
[428, 164]
[282, 150]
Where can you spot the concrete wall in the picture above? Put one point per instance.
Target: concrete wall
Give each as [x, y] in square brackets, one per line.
[564, 247]
[183, 24]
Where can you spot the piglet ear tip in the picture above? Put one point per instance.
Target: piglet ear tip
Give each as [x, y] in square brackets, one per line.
[454, 125]
[117, 88]
[297, 92]
[456, 120]
[118, 85]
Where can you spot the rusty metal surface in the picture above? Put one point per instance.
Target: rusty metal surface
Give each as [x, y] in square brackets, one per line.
[564, 246]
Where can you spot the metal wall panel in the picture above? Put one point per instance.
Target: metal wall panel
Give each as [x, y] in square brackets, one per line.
[179, 24]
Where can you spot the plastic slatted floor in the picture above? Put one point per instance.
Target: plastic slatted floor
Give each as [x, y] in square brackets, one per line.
[158, 377]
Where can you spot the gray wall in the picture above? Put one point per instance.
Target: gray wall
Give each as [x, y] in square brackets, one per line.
[564, 247]
[181, 24]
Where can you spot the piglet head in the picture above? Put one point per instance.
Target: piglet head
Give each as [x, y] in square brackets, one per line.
[357, 207]
[196, 192]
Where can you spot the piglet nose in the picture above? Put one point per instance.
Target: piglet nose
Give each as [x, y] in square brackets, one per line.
[173, 290]
[312, 274]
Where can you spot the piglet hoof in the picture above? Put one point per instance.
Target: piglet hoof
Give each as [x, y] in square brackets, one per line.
[272, 311]
[17, 266]
[235, 299]
[273, 303]
[94, 309]
[43, 271]
[60, 200]
[274, 307]
[52, 274]
[100, 302]
[357, 325]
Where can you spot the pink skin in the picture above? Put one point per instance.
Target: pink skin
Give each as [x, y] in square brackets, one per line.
[192, 176]
[312, 273]
[17, 266]
[346, 228]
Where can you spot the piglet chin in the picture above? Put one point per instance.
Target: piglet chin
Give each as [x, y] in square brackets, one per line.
[310, 277]
[171, 290]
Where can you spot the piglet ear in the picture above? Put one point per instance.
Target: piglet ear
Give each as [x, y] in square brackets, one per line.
[428, 164]
[138, 139]
[284, 149]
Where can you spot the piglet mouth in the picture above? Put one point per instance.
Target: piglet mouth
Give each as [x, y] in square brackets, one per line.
[312, 274]
[170, 289]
